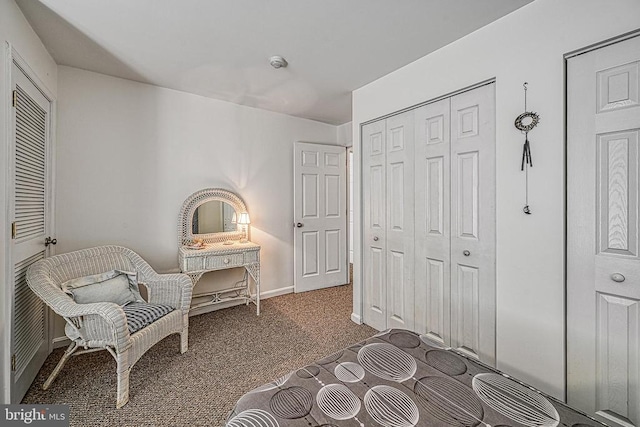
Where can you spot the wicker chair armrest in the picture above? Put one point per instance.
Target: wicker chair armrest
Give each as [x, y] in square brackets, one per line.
[171, 289]
[99, 324]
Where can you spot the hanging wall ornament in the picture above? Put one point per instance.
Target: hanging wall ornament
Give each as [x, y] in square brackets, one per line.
[525, 122]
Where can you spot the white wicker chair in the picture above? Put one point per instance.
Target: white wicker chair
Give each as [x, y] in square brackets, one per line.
[104, 325]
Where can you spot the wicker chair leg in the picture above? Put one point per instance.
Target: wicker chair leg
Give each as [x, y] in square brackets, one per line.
[184, 340]
[67, 354]
[123, 371]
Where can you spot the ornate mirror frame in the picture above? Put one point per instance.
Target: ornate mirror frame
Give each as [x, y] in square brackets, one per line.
[185, 219]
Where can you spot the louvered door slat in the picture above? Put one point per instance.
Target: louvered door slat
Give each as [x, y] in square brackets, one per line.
[29, 132]
[30, 158]
[30, 166]
[27, 179]
[29, 315]
[32, 150]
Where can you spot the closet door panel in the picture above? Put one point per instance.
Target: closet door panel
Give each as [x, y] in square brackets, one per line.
[432, 210]
[473, 223]
[374, 224]
[400, 221]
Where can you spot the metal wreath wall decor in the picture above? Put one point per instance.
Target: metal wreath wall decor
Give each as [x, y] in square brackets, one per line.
[525, 122]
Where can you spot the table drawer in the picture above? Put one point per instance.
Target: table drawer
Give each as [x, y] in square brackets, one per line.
[224, 261]
[251, 257]
[193, 264]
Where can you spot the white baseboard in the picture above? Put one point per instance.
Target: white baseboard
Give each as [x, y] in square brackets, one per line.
[355, 318]
[63, 341]
[277, 292]
[60, 342]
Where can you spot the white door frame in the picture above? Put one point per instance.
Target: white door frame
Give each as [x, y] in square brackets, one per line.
[11, 56]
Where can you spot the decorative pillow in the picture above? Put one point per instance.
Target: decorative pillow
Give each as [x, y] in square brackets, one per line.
[120, 287]
[142, 314]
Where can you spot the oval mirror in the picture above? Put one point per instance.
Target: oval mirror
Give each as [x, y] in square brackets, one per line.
[214, 216]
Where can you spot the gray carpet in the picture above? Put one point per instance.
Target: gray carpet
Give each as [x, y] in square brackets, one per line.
[231, 351]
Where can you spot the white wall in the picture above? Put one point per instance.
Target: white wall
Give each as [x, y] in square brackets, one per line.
[15, 30]
[344, 134]
[129, 154]
[527, 45]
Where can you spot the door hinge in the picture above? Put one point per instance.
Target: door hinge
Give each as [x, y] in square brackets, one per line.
[14, 230]
[14, 100]
[13, 363]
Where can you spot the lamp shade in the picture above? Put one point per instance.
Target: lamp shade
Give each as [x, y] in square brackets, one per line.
[244, 218]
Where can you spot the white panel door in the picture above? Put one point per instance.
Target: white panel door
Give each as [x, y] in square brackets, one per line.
[374, 213]
[320, 215]
[432, 197]
[473, 277]
[30, 211]
[603, 268]
[400, 221]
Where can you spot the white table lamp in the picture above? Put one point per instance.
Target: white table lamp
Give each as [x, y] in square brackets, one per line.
[244, 221]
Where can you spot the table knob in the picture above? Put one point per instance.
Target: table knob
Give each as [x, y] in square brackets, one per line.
[226, 260]
[466, 253]
[375, 239]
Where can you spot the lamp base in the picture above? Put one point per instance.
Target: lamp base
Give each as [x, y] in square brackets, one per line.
[243, 240]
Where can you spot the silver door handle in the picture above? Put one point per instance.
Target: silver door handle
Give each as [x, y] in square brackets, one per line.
[299, 224]
[375, 239]
[617, 277]
[466, 253]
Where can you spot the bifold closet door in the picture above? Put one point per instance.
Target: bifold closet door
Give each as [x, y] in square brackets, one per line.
[432, 245]
[374, 274]
[455, 222]
[400, 221]
[473, 277]
[388, 240]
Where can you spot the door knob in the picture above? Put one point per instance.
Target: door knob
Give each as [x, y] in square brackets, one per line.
[617, 277]
[375, 239]
[299, 224]
[49, 241]
[466, 253]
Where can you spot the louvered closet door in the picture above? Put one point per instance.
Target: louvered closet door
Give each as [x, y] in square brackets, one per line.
[473, 277]
[400, 222]
[29, 207]
[374, 273]
[433, 235]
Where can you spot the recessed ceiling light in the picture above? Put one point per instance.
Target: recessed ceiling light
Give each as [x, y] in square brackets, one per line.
[278, 62]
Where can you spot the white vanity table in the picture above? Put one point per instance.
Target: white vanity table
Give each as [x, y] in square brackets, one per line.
[210, 216]
[218, 256]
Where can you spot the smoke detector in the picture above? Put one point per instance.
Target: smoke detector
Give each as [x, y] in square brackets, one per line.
[278, 62]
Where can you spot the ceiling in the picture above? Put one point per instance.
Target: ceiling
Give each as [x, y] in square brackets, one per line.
[221, 48]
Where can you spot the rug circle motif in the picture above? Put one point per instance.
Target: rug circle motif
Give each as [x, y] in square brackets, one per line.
[404, 340]
[291, 403]
[338, 402]
[390, 407]
[387, 362]
[349, 372]
[446, 362]
[514, 401]
[449, 401]
[253, 418]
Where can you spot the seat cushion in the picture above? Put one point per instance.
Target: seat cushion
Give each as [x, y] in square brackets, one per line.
[120, 287]
[142, 314]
